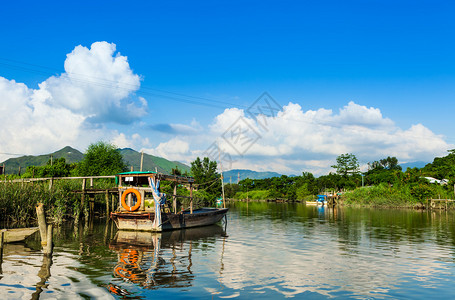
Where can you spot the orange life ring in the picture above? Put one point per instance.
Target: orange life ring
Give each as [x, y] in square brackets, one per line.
[138, 197]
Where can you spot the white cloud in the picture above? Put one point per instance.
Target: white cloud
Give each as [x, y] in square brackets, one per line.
[175, 149]
[356, 114]
[70, 109]
[98, 84]
[297, 140]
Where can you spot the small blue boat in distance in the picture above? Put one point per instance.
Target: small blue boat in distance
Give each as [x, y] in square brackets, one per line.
[322, 200]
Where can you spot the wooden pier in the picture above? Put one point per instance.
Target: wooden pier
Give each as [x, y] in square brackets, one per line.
[440, 203]
[87, 190]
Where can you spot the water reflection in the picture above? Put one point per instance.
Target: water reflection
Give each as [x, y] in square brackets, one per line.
[273, 251]
[157, 260]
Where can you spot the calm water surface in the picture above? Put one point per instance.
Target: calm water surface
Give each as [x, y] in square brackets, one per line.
[264, 251]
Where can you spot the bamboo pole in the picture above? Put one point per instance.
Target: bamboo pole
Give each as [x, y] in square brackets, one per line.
[191, 198]
[2, 235]
[174, 198]
[222, 189]
[42, 223]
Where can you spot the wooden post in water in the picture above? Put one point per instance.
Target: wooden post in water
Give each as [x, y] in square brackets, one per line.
[91, 203]
[113, 202]
[2, 235]
[42, 223]
[91, 200]
[49, 245]
[106, 197]
[191, 198]
[83, 194]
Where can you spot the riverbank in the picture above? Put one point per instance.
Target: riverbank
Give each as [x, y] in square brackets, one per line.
[382, 195]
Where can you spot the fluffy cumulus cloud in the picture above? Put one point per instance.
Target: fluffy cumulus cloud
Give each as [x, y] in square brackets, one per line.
[98, 84]
[70, 109]
[176, 149]
[294, 140]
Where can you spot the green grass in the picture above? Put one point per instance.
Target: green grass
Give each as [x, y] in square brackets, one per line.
[18, 200]
[384, 195]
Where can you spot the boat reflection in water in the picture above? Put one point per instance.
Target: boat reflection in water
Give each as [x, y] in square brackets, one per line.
[155, 260]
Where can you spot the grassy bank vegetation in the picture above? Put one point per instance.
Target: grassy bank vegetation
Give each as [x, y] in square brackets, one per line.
[18, 200]
[385, 195]
[384, 184]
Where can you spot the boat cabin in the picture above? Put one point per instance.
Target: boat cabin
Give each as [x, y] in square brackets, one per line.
[136, 191]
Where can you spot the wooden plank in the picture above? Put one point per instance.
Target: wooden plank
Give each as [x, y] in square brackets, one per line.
[17, 234]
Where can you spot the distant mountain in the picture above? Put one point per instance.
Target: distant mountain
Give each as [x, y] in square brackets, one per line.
[232, 175]
[71, 155]
[150, 162]
[12, 165]
[415, 164]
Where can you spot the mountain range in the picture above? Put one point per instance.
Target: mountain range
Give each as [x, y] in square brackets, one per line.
[131, 157]
[232, 176]
[415, 164]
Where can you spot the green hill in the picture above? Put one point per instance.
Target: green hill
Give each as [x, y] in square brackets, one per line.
[150, 162]
[12, 165]
[71, 155]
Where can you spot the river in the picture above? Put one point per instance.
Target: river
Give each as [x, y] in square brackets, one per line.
[263, 251]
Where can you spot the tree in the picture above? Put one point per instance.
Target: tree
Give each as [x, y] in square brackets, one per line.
[206, 176]
[53, 168]
[101, 159]
[389, 163]
[441, 167]
[347, 164]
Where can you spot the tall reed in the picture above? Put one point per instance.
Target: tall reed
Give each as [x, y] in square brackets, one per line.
[18, 200]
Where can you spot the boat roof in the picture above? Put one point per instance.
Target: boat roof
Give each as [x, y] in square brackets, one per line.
[137, 173]
[161, 176]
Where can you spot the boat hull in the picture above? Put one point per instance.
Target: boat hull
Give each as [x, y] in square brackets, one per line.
[143, 221]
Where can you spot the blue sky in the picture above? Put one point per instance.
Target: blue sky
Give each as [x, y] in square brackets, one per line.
[370, 70]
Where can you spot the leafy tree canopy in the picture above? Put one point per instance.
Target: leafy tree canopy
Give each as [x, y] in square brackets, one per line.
[441, 167]
[53, 168]
[206, 176]
[389, 163]
[347, 164]
[101, 159]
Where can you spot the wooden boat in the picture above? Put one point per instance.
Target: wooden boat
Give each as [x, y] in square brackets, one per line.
[143, 240]
[143, 207]
[17, 234]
